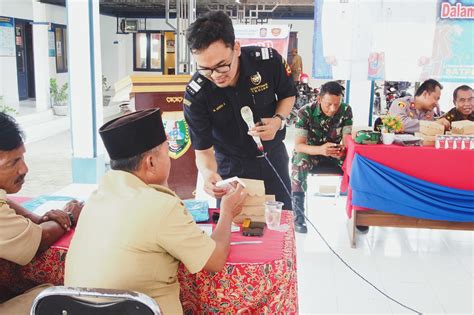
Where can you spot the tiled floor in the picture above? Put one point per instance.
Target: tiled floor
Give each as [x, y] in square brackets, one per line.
[428, 270]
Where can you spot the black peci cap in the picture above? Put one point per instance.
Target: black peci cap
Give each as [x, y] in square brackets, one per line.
[132, 134]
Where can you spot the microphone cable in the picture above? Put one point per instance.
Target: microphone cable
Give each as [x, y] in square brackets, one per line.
[332, 250]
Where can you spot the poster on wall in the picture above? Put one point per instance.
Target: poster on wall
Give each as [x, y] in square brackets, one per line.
[51, 44]
[265, 35]
[453, 58]
[7, 37]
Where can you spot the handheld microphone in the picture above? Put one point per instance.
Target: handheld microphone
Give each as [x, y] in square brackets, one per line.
[247, 116]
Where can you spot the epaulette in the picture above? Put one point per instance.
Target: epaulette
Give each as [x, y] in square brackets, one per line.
[264, 53]
[195, 85]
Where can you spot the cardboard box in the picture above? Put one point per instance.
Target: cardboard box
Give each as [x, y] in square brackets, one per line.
[463, 127]
[428, 141]
[431, 128]
[253, 206]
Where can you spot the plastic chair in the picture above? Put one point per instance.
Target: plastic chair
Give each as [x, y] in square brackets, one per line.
[90, 301]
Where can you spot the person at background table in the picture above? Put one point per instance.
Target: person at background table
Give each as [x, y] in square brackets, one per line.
[134, 230]
[463, 102]
[421, 107]
[296, 65]
[228, 78]
[22, 233]
[319, 131]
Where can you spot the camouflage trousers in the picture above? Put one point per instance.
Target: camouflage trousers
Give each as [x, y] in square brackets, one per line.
[301, 166]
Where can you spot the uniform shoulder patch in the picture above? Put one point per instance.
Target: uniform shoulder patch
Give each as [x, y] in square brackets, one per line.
[264, 53]
[402, 104]
[195, 85]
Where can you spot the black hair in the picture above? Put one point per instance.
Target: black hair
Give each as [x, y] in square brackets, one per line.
[11, 136]
[462, 88]
[429, 86]
[333, 88]
[209, 28]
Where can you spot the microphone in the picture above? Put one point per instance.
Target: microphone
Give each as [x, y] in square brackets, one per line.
[247, 116]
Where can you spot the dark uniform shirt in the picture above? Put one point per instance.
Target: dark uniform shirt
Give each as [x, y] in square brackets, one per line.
[213, 113]
[454, 115]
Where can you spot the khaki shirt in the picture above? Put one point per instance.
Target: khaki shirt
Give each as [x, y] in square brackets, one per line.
[296, 67]
[404, 107]
[19, 236]
[132, 236]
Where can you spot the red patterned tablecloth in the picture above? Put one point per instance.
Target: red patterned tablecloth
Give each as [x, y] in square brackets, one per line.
[258, 278]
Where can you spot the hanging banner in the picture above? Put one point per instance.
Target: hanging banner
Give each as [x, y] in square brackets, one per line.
[453, 58]
[265, 35]
[7, 37]
[321, 69]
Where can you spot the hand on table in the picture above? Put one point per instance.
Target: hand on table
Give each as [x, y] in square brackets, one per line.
[62, 216]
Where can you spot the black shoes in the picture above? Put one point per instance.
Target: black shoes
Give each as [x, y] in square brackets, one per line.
[300, 226]
[362, 228]
[298, 208]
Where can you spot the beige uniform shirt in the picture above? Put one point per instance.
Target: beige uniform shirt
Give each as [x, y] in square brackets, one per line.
[132, 236]
[296, 67]
[404, 107]
[19, 236]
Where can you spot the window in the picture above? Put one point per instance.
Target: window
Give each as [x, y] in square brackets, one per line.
[60, 39]
[147, 51]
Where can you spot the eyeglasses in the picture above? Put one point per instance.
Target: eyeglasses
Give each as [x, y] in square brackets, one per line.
[220, 69]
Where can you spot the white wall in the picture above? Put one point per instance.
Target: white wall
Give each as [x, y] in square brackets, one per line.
[24, 9]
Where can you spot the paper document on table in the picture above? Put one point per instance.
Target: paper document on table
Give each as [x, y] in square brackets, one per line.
[50, 205]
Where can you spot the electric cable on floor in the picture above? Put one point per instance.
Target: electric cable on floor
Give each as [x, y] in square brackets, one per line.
[333, 251]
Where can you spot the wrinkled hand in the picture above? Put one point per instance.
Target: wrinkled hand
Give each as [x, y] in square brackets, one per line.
[267, 130]
[443, 121]
[232, 202]
[74, 207]
[329, 149]
[60, 216]
[210, 186]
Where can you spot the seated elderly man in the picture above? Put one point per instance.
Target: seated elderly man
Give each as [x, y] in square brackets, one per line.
[134, 231]
[319, 131]
[421, 107]
[463, 102]
[22, 233]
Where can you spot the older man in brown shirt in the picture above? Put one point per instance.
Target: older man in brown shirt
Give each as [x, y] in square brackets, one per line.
[134, 230]
[22, 233]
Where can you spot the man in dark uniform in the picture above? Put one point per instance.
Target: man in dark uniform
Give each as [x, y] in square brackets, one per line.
[230, 77]
[463, 102]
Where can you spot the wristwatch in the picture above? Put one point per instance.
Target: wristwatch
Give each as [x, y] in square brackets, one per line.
[283, 120]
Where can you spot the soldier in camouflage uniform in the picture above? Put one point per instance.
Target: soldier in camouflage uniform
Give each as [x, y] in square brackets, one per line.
[463, 100]
[421, 107]
[319, 131]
